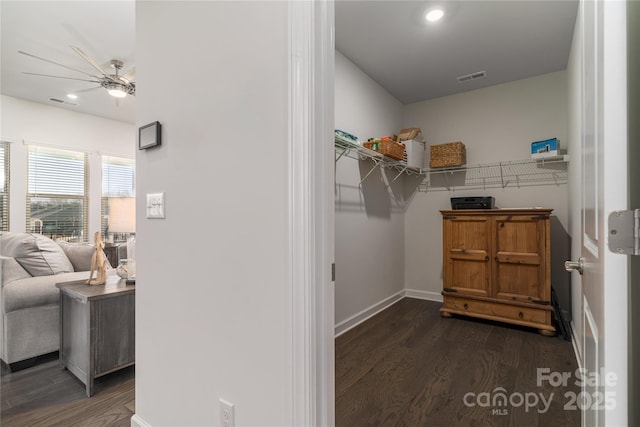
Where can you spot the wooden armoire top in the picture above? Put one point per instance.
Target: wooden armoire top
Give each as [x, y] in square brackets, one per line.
[505, 211]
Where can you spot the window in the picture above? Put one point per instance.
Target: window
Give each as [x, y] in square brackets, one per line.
[57, 194]
[4, 186]
[118, 198]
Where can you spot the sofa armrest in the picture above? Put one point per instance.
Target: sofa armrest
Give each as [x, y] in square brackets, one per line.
[11, 270]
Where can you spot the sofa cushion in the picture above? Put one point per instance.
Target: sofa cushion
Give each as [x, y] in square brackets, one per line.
[11, 270]
[36, 291]
[37, 254]
[79, 254]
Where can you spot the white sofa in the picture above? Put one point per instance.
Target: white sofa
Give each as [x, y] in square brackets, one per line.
[31, 265]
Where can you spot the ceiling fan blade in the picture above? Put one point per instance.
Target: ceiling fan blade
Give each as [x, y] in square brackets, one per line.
[88, 90]
[88, 59]
[61, 77]
[129, 75]
[58, 64]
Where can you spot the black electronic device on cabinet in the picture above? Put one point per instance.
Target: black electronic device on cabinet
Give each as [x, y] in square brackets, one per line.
[483, 202]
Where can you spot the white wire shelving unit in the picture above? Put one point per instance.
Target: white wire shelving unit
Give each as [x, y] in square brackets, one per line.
[511, 173]
[358, 152]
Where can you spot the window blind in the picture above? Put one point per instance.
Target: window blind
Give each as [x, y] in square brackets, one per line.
[4, 186]
[57, 193]
[118, 177]
[118, 198]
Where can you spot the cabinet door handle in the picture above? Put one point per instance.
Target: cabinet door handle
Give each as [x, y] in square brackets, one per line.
[466, 306]
[521, 315]
[486, 258]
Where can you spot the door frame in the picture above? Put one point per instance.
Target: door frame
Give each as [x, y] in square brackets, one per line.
[311, 97]
[311, 212]
[615, 266]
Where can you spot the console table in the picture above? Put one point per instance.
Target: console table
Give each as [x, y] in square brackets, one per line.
[97, 334]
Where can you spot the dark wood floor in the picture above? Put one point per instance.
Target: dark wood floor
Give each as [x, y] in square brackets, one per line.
[407, 366]
[45, 395]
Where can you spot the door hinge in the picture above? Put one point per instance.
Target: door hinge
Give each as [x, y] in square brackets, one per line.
[333, 271]
[624, 232]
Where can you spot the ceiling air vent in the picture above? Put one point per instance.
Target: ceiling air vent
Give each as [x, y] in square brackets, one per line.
[60, 101]
[472, 76]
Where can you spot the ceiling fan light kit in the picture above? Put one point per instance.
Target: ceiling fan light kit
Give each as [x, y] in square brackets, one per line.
[118, 90]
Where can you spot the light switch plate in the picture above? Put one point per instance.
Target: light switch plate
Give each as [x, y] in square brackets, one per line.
[155, 205]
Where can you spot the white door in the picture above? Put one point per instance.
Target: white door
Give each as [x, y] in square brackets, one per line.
[601, 315]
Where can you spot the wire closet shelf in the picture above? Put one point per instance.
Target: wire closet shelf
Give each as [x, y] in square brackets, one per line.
[511, 173]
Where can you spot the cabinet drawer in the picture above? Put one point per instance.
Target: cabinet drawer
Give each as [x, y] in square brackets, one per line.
[496, 311]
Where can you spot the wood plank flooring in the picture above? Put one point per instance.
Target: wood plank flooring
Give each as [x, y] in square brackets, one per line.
[407, 366]
[45, 395]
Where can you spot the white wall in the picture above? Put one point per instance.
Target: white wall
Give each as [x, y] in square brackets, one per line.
[30, 122]
[212, 303]
[369, 221]
[495, 123]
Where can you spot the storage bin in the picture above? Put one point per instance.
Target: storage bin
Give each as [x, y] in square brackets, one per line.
[451, 154]
[416, 154]
[386, 147]
[408, 134]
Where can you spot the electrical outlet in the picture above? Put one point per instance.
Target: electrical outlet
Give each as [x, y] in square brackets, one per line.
[226, 414]
[155, 205]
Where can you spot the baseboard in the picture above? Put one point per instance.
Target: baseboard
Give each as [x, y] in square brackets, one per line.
[367, 313]
[428, 295]
[136, 421]
[28, 363]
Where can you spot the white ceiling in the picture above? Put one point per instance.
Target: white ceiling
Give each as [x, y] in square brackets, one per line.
[104, 30]
[388, 40]
[415, 61]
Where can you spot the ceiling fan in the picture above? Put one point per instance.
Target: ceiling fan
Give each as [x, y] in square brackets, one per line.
[117, 85]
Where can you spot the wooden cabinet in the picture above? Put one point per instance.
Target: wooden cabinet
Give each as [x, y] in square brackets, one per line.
[496, 265]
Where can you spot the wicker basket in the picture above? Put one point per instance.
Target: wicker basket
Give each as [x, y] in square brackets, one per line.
[409, 133]
[387, 147]
[451, 154]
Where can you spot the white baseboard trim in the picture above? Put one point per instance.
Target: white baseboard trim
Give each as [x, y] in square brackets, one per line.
[367, 313]
[428, 295]
[136, 421]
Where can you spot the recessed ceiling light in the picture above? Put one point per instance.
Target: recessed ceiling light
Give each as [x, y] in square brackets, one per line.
[72, 96]
[434, 15]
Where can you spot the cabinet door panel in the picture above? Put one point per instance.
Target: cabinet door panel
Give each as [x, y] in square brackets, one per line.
[467, 268]
[519, 258]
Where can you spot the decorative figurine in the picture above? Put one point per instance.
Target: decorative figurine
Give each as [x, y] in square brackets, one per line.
[98, 263]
